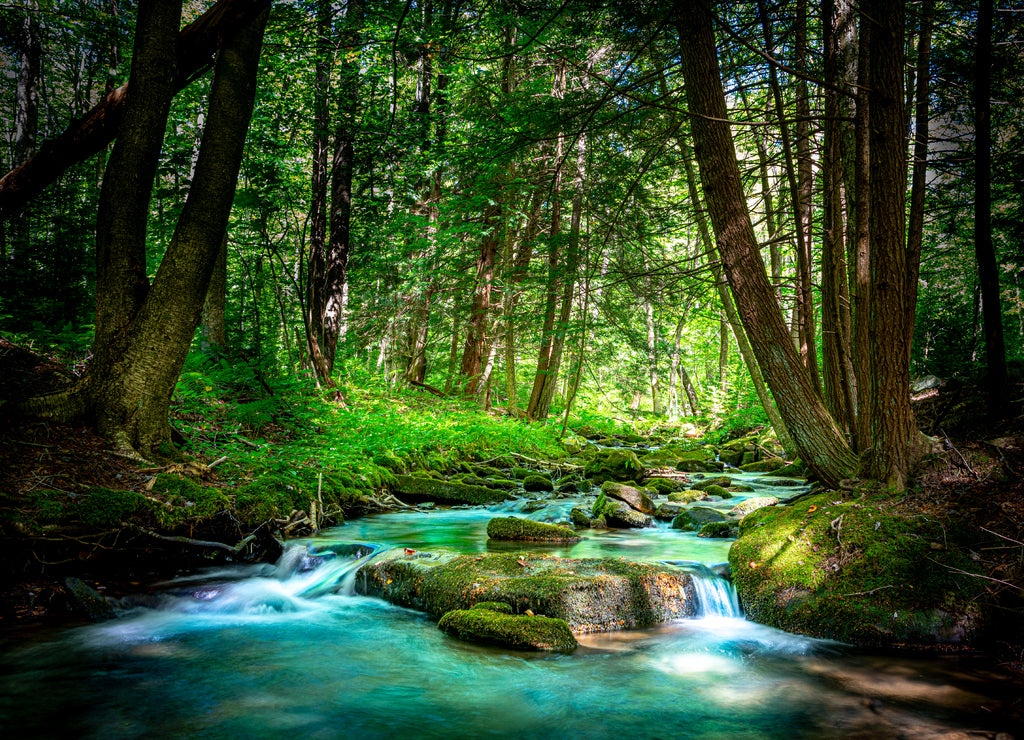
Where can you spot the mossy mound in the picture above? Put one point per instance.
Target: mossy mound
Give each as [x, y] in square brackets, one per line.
[743, 508]
[518, 631]
[616, 464]
[795, 469]
[591, 595]
[718, 530]
[514, 528]
[722, 481]
[663, 486]
[536, 482]
[687, 496]
[764, 466]
[717, 491]
[423, 488]
[856, 571]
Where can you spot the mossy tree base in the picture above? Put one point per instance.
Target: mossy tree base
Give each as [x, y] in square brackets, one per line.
[856, 571]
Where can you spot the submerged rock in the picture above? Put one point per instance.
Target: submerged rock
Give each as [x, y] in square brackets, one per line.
[513, 528]
[519, 631]
[591, 595]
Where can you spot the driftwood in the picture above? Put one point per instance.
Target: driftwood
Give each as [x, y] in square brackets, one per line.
[196, 48]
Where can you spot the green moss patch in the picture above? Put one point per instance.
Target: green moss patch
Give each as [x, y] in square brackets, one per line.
[615, 464]
[855, 571]
[514, 528]
[417, 487]
[519, 631]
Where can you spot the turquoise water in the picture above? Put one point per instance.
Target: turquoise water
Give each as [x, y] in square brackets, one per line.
[289, 651]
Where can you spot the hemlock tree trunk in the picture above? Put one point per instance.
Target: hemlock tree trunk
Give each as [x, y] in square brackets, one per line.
[814, 433]
[988, 272]
[127, 389]
[195, 46]
[214, 337]
[892, 428]
[860, 248]
[915, 225]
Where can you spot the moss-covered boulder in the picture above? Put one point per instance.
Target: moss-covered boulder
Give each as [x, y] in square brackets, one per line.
[856, 571]
[622, 516]
[537, 482]
[664, 486]
[795, 469]
[591, 595]
[781, 482]
[669, 511]
[573, 484]
[518, 631]
[514, 528]
[688, 496]
[634, 497]
[722, 480]
[617, 465]
[718, 491]
[731, 457]
[580, 518]
[423, 488]
[695, 517]
[718, 530]
[743, 508]
[764, 466]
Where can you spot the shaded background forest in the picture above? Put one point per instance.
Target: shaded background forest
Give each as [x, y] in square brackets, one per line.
[492, 199]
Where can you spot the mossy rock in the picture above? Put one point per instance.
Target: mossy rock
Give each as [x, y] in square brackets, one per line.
[591, 595]
[750, 456]
[700, 466]
[781, 482]
[417, 488]
[518, 631]
[392, 462]
[714, 490]
[795, 469]
[501, 484]
[721, 481]
[856, 571]
[731, 457]
[688, 496]
[488, 471]
[521, 473]
[573, 484]
[623, 516]
[574, 445]
[663, 486]
[537, 482]
[109, 508]
[718, 530]
[495, 606]
[751, 505]
[685, 522]
[579, 518]
[668, 512]
[615, 464]
[514, 528]
[634, 497]
[764, 466]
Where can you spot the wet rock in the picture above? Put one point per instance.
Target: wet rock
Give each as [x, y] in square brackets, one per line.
[795, 469]
[415, 487]
[591, 595]
[721, 481]
[537, 482]
[717, 492]
[668, 512]
[718, 530]
[701, 466]
[579, 518]
[688, 496]
[780, 482]
[513, 528]
[574, 445]
[731, 457]
[634, 497]
[752, 504]
[88, 600]
[618, 465]
[622, 516]
[764, 466]
[518, 631]
[664, 486]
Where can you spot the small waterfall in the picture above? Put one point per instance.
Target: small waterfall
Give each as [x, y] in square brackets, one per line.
[716, 596]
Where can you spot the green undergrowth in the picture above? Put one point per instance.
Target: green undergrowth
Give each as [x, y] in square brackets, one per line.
[857, 570]
[288, 427]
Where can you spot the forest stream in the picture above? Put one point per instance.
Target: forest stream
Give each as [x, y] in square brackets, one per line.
[293, 649]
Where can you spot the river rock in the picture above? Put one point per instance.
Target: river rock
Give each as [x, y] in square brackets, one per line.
[723, 481]
[579, 517]
[636, 498]
[752, 504]
[591, 595]
[668, 511]
[518, 631]
[718, 530]
[514, 528]
[619, 465]
[625, 517]
[688, 496]
[416, 488]
[537, 482]
[764, 466]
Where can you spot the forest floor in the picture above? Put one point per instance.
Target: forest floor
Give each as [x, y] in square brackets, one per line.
[977, 482]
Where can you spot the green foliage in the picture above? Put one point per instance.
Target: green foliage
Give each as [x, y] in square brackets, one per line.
[602, 506]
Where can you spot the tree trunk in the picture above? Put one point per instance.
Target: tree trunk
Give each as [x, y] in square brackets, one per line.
[213, 334]
[984, 249]
[195, 46]
[127, 388]
[892, 429]
[814, 433]
[476, 333]
[915, 225]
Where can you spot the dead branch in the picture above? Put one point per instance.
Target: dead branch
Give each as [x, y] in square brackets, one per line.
[198, 543]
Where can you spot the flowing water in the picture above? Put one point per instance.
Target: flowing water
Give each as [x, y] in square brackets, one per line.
[291, 651]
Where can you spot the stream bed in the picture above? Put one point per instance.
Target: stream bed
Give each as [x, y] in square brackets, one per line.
[292, 650]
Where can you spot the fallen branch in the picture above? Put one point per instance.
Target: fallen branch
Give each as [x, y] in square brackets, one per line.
[1002, 536]
[868, 593]
[962, 458]
[428, 388]
[199, 543]
[978, 575]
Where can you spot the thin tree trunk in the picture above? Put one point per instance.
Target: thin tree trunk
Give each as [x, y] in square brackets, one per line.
[915, 224]
[814, 433]
[213, 335]
[861, 278]
[984, 249]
